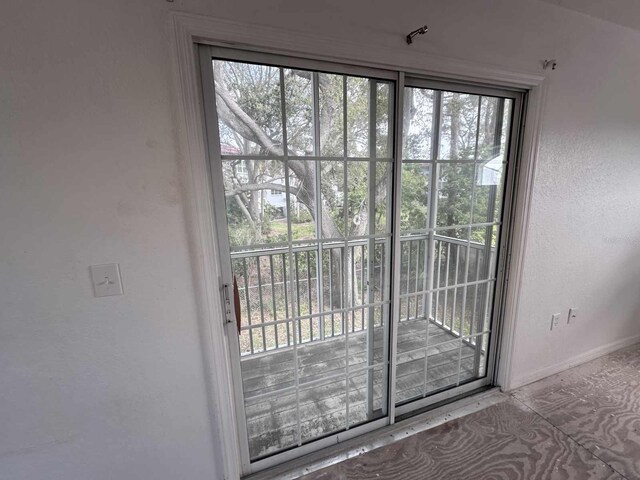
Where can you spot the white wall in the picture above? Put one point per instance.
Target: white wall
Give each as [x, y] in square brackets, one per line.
[90, 172]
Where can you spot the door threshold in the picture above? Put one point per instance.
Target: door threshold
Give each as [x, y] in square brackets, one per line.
[384, 436]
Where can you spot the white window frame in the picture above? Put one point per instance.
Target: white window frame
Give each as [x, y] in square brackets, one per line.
[189, 30]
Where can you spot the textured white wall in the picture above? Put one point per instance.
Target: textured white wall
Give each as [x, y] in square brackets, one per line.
[90, 173]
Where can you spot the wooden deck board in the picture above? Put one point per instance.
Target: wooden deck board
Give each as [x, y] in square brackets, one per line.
[271, 419]
[273, 370]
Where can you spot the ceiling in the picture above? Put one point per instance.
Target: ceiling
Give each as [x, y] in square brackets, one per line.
[622, 12]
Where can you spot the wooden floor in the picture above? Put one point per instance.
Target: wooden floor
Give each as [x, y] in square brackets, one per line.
[582, 424]
[322, 397]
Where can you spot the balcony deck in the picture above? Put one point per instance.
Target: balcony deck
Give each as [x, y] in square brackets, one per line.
[321, 400]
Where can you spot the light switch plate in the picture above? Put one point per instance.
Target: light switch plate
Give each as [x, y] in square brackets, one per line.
[106, 280]
[555, 319]
[573, 315]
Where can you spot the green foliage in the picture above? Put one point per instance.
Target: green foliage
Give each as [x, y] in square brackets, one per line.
[303, 216]
[256, 89]
[414, 212]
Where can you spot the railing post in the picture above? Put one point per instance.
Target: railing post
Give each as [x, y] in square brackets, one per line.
[248, 300]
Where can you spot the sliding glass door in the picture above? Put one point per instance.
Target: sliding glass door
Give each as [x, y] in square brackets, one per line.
[454, 166]
[305, 158]
[360, 254]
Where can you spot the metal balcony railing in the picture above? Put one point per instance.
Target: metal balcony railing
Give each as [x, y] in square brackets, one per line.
[312, 299]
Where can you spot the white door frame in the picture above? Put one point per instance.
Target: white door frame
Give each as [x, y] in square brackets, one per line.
[191, 29]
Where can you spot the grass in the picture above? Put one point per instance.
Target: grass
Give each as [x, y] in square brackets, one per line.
[299, 231]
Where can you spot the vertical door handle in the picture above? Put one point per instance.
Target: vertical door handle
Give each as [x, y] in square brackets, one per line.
[236, 303]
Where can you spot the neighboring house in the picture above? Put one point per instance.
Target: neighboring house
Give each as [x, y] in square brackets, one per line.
[491, 171]
[274, 198]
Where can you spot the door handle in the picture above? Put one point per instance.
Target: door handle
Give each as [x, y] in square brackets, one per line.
[236, 303]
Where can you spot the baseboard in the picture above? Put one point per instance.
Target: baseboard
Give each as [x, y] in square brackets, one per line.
[573, 362]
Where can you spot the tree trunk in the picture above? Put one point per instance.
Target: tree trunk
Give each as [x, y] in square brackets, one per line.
[454, 109]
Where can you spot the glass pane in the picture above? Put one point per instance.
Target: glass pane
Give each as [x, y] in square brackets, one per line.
[358, 125]
[263, 298]
[271, 423]
[358, 342]
[331, 116]
[442, 366]
[384, 120]
[413, 264]
[482, 265]
[367, 328]
[455, 182]
[487, 204]
[506, 126]
[255, 91]
[255, 201]
[459, 126]
[467, 318]
[450, 256]
[416, 193]
[298, 91]
[483, 342]
[412, 333]
[356, 268]
[473, 358]
[274, 372]
[316, 361]
[480, 307]
[495, 116]
[447, 300]
[323, 408]
[332, 190]
[418, 123]
[305, 290]
[357, 198]
[302, 199]
[379, 279]
[410, 376]
[383, 199]
[333, 292]
[367, 395]
[450, 304]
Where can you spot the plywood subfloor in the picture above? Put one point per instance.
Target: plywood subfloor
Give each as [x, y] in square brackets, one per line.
[582, 424]
[322, 398]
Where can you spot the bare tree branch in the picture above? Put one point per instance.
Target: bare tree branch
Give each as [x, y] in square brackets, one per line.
[245, 212]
